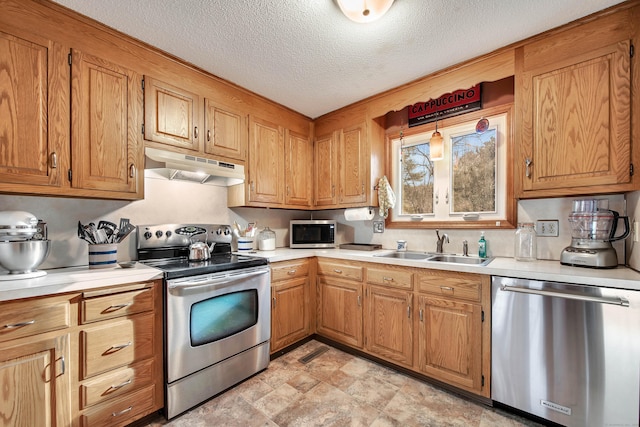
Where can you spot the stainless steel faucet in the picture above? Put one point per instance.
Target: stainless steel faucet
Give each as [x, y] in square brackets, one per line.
[465, 248]
[440, 241]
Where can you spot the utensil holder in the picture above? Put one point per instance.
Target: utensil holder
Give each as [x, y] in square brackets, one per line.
[103, 256]
[245, 244]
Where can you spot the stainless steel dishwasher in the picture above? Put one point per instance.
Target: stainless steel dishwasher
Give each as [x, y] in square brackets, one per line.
[567, 353]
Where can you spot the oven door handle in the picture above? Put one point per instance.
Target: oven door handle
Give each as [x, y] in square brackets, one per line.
[214, 281]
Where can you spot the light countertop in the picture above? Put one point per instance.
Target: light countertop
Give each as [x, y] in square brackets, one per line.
[619, 277]
[73, 279]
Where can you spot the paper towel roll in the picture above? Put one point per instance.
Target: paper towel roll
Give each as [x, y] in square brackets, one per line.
[359, 214]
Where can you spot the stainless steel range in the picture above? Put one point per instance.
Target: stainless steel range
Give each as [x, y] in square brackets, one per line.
[216, 310]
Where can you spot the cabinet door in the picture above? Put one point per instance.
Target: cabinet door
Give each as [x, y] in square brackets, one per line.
[171, 115]
[266, 161]
[352, 159]
[389, 324]
[325, 166]
[106, 104]
[289, 312]
[226, 131]
[298, 170]
[33, 102]
[35, 383]
[450, 341]
[340, 310]
[576, 122]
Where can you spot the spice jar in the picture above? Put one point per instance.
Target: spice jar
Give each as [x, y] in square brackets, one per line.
[267, 240]
[525, 242]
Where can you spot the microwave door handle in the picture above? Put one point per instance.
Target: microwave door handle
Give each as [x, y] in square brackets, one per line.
[211, 282]
[603, 300]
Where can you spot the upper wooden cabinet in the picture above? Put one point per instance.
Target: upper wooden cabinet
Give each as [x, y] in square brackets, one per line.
[106, 101]
[171, 115]
[298, 171]
[225, 131]
[266, 161]
[33, 76]
[347, 162]
[573, 94]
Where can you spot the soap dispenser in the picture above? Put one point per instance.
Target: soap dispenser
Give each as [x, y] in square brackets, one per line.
[482, 246]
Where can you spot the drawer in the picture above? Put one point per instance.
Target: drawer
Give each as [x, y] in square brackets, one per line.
[121, 411]
[450, 284]
[25, 318]
[390, 277]
[338, 269]
[116, 343]
[117, 383]
[289, 270]
[116, 305]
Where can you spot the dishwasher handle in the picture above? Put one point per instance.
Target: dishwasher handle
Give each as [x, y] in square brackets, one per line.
[602, 300]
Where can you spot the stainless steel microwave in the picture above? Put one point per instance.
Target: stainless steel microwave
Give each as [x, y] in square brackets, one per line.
[312, 233]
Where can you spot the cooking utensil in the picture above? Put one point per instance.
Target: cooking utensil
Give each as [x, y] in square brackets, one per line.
[124, 232]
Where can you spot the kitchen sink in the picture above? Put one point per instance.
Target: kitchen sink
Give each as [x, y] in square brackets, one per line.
[460, 259]
[406, 255]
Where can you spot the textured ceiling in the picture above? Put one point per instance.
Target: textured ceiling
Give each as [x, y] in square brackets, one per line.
[306, 55]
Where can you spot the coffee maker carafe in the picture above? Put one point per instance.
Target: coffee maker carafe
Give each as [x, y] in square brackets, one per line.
[593, 228]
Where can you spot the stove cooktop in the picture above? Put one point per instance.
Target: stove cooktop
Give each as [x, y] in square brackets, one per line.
[181, 267]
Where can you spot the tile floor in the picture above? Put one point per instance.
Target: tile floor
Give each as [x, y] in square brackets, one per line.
[338, 389]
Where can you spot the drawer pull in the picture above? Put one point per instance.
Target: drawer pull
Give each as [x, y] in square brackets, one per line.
[446, 288]
[118, 306]
[335, 270]
[124, 411]
[291, 272]
[115, 387]
[118, 347]
[421, 315]
[388, 279]
[19, 325]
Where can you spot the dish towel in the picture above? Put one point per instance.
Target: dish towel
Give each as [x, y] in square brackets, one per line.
[386, 197]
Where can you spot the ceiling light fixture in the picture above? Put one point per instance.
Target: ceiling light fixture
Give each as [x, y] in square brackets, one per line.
[436, 144]
[364, 11]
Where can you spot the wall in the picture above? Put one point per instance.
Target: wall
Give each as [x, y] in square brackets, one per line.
[164, 202]
[633, 252]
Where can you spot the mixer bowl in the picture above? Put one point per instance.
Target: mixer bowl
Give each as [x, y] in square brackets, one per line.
[23, 256]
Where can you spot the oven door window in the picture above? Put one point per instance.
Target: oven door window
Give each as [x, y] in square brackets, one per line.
[219, 317]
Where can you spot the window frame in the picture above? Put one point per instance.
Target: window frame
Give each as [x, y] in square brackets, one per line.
[508, 221]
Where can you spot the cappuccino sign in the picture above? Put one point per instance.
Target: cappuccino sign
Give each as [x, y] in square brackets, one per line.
[448, 105]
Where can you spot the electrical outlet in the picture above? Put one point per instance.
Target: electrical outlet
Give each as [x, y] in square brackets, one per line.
[547, 227]
[378, 226]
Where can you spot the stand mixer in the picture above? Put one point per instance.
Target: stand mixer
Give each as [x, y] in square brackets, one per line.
[593, 228]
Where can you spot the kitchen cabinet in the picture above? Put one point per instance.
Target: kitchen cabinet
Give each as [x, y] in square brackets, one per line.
[325, 170]
[226, 131]
[35, 362]
[34, 75]
[339, 301]
[266, 161]
[291, 303]
[573, 95]
[453, 340]
[298, 170]
[171, 115]
[120, 354]
[388, 315]
[106, 101]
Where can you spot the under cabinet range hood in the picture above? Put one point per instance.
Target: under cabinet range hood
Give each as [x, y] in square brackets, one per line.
[187, 167]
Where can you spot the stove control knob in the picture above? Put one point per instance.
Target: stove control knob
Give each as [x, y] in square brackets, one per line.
[158, 234]
[227, 231]
[219, 231]
[147, 235]
[168, 233]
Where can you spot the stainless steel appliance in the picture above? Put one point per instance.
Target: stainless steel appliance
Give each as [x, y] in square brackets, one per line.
[217, 311]
[23, 246]
[593, 228]
[312, 233]
[567, 353]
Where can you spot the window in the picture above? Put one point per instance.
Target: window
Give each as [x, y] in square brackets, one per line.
[468, 188]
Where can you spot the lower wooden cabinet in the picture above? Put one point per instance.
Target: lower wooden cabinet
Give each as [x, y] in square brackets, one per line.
[290, 303]
[340, 311]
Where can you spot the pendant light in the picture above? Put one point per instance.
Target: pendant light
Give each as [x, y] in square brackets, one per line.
[436, 144]
[363, 11]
